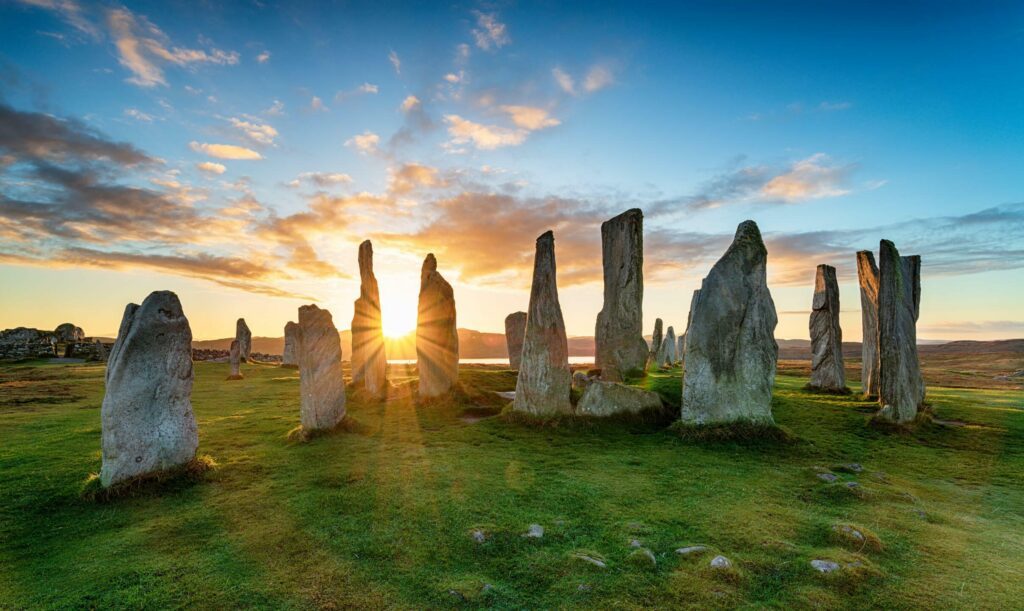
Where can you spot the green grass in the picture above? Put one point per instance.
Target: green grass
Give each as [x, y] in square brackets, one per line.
[381, 514]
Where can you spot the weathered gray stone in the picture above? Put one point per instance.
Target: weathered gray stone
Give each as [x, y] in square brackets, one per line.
[437, 340]
[689, 319]
[900, 385]
[692, 549]
[543, 385]
[610, 398]
[69, 333]
[536, 531]
[244, 337]
[824, 566]
[731, 352]
[369, 362]
[289, 358]
[580, 380]
[667, 353]
[515, 331]
[867, 276]
[656, 339]
[721, 562]
[680, 348]
[321, 382]
[147, 419]
[826, 335]
[235, 358]
[619, 338]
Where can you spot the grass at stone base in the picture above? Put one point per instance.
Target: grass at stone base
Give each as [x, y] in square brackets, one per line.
[381, 515]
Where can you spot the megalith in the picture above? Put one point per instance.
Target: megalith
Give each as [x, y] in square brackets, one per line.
[900, 385]
[602, 399]
[437, 338]
[244, 337]
[656, 339]
[689, 319]
[666, 356]
[515, 331]
[545, 380]
[147, 419]
[235, 358]
[867, 277]
[619, 338]
[369, 361]
[731, 352]
[321, 383]
[826, 335]
[289, 356]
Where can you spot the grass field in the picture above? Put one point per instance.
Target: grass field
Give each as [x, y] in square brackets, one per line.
[383, 515]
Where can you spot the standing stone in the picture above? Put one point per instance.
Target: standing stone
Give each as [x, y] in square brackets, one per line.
[235, 357]
[656, 339]
[667, 353]
[603, 399]
[369, 362]
[147, 418]
[437, 339]
[619, 335]
[689, 320]
[867, 275]
[244, 338]
[543, 385]
[731, 352]
[69, 333]
[680, 348]
[900, 385]
[289, 357]
[826, 335]
[515, 330]
[320, 379]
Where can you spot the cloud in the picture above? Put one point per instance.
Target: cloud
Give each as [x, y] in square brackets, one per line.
[812, 178]
[70, 12]
[1006, 328]
[317, 105]
[322, 179]
[598, 77]
[564, 80]
[40, 136]
[142, 47]
[461, 54]
[364, 89]
[453, 78]
[138, 115]
[485, 137]
[409, 103]
[416, 122]
[224, 151]
[365, 142]
[489, 32]
[259, 133]
[263, 57]
[411, 176]
[276, 109]
[211, 167]
[396, 63]
[529, 117]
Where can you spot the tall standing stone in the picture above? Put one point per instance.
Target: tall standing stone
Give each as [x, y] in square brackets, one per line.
[656, 339]
[667, 353]
[680, 348]
[689, 320]
[900, 385]
[619, 336]
[544, 382]
[369, 362]
[147, 418]
[867, 276]
[826, 335]
[235, 358]
[515, 331]
[244, 337]
[321, 384]
[731, 352]
[437, 338]
[289, 356]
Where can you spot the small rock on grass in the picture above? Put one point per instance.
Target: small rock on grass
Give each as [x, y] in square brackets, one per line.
[720, 562]
[850, 467]
[591, 560]
[635, 543]
[643, 557]
[693, 549]
[825, 566]
[828, 477]
[536, 531]
[478, 535]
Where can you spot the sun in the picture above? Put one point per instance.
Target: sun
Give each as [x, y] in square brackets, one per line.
[398, 298]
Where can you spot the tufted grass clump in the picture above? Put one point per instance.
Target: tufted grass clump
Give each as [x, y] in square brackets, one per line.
[159, 482]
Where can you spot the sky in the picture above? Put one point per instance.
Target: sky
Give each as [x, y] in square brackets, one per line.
[238, 152]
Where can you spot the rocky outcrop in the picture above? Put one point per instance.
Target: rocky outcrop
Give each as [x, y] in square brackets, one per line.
[437, 340]
[289, 355]
[826, 335]
[235, 358]
[900, 385]
[731, 352]
[515, 331]
[544, 381]
[602, 399]
[244, 338]
[147, 420]
[619, 338]
[369, 362]
[321, 383]
[867, 276]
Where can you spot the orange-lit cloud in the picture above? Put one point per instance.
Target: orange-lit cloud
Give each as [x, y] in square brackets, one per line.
[224, 151]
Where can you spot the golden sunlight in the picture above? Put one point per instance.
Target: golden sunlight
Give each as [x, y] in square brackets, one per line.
[399, 296]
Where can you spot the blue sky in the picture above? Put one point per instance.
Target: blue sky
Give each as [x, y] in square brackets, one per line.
[469, 129]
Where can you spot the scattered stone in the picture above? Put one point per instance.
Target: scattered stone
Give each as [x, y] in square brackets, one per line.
[478, 535]
[437, 340]
[852, 485]
[693, 549]
[731, 352]
[289, 357]
[828, 477]
[619, 340]
[721, 562]
[849, 531]
[591, 560]
[459, 596]
[867, 275]
[508, 395]
[536, 531]
[544, 382]
[643, 556]
[824, 566]
[584, 587]
[900, 385]
[515, 331]
[244, 338]
[486, 588]
[321, 383]
[147, 419]
[602, 399]
[635, 543]
[826, 335]
[850, 467]
[235, 360]
[368, 361]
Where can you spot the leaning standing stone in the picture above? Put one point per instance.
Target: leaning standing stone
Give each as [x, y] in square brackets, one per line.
[437, 338]
[235, 357]
[731, 352]
[147, 418]
[515, 330]
[900, 386]
[619, 338]
[289, 356]
[321, 383]
[826, 335]
[369, 362]
[867, 276]
[244, 337]
[544, 382]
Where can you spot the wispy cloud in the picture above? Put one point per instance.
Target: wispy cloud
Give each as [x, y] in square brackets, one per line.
[489, 33]
[364, 89]
[396, 62]
[598, 77]
[256, 132]
[70, 12]
[485, 137]
[263, 57]
[322, 179]
[530, 118]
[366, 142]
[564, 80]
[211, 167]
[224, 151]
